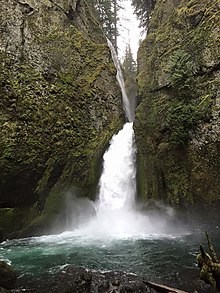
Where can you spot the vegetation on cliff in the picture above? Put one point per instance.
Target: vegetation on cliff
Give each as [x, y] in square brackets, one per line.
[129, 68]
[177, 120]
[107, 13]
[143, 9]
[60, 104]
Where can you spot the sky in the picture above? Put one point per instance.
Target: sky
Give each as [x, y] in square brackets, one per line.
[128, 29]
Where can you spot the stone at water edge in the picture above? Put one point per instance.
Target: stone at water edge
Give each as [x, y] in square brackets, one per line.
[3, 290]
[1, 237]
[8, 276]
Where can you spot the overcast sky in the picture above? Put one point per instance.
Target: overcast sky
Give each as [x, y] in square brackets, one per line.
[128, 29]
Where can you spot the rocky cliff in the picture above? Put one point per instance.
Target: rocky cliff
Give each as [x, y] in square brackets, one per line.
[60, 104]
[177, 124]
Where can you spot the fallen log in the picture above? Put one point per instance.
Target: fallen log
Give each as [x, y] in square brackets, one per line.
[162, 288]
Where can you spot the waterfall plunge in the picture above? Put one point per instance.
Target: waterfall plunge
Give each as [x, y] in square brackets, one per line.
[117, 183]
[117, 189]
[117, 186]
[115, 206]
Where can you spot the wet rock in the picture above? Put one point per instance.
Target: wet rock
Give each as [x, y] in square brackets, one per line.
[76, 279]
[103, 287]
[1, 235]
[22, 291]
[135, 286]
[84, 280]
[81, 280]
[3, 290]
[8, 276]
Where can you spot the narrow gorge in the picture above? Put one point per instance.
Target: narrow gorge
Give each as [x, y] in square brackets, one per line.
[101, 191]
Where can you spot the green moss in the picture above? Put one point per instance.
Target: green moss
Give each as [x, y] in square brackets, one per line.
[12, 219]
[59, 106]
[51, 122]
[6, 218]
[183, 117]
[178, 87]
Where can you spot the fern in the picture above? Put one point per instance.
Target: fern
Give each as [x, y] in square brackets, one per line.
[181, 68]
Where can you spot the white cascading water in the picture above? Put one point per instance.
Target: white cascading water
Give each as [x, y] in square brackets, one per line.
[117, 186]
[117, 183]
[105, 240]
[126, 103]
[117, 189]
[115, 206]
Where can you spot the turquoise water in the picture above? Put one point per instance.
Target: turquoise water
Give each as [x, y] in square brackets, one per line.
[167, 259]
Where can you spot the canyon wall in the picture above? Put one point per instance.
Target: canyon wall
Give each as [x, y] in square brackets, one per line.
[60, 104]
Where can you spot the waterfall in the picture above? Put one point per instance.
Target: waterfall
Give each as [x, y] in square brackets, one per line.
[114, 206]
[117, 183]
[117, 186]
[116, 215]
[126, 103]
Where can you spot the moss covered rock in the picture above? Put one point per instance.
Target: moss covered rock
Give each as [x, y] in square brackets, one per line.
[60, 104]
[177, 124]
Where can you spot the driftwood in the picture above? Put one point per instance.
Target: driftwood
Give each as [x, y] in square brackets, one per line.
[211, 249]
[209, 265]
[162, 288]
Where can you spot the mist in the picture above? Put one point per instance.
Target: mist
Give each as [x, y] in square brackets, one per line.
[86, 218]
[79, 211]
[115, 212]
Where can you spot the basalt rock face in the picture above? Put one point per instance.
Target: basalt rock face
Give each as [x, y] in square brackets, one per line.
[60, 104]
[177, 124]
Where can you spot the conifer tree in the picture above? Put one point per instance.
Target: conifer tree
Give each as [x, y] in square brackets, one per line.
[129, 64]
[107, 15]
[129, 67]
[143, 8]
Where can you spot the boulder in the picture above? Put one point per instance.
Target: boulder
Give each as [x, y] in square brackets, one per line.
[8, 276]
